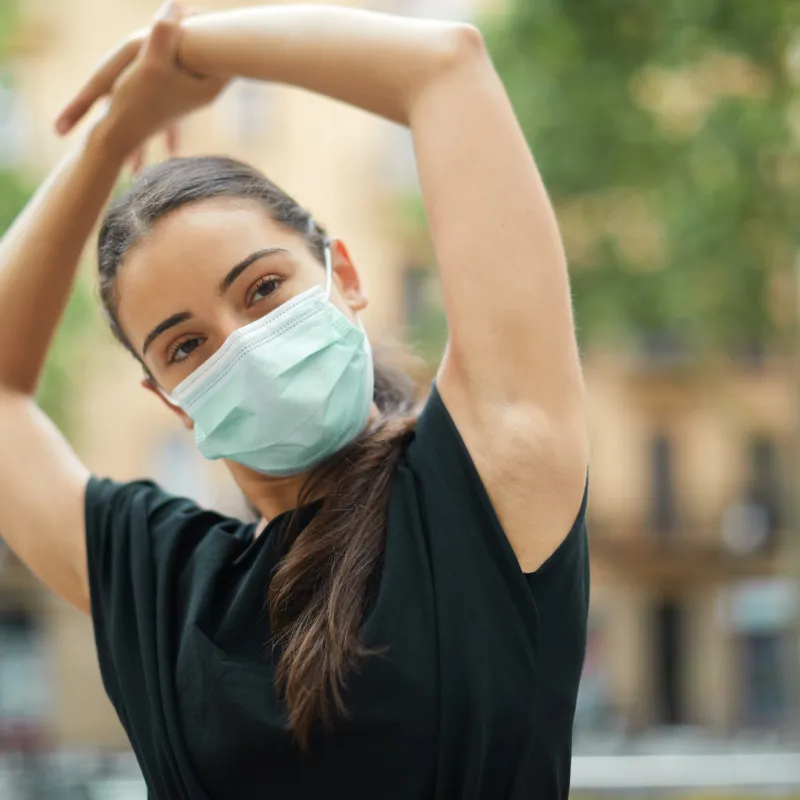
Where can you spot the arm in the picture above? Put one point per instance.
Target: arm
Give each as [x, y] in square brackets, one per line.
[372, 61]
[511, 375]
[42, 482]
[499, 250]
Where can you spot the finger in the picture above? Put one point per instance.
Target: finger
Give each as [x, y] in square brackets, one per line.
[97, 86]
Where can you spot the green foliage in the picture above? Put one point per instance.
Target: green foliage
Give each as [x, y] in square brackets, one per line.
[664, 134]
[58, 380]
[13, 196]
[8, 12]
[427, 332]
[61, 379]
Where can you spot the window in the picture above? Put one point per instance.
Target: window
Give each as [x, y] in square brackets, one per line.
[763, 479]
[669, 662]
[760, 614]
[593, 711]
[765, 697]
[751, 521]
[663, 514]
[23, 686]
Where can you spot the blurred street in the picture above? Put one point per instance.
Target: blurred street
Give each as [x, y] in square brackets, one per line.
[668, 135]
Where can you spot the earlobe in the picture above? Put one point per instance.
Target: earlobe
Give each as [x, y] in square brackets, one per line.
[187, 421]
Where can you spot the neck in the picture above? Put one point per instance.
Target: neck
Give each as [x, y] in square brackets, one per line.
[269, 495]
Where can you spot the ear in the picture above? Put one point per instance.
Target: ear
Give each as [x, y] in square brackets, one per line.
[148, 384]
[346, 277]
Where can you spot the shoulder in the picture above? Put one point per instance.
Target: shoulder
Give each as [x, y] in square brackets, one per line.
[533, 465]
[140, 524]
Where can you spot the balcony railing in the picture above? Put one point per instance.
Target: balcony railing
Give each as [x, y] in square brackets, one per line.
[691, 553]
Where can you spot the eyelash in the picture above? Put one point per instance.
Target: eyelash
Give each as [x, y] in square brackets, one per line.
[263, 281]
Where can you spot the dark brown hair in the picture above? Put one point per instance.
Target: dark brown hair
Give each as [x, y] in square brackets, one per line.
[319, 590]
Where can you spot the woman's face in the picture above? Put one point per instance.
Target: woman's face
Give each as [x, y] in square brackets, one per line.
[209, 268]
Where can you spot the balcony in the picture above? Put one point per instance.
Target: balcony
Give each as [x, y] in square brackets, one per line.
[691, 555]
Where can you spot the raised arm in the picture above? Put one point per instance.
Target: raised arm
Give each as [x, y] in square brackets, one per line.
[495, 234]
[511, 375]
[42, 482]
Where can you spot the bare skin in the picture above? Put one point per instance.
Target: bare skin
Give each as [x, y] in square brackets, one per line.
[510, 376]
[179, 267]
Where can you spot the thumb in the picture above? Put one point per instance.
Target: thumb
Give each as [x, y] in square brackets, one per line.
[162, 44]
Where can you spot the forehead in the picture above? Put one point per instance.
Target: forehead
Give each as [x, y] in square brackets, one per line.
[185, 255]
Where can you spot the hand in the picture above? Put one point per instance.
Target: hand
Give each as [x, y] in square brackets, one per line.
[146, 88]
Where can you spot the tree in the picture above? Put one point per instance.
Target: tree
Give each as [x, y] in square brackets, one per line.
[15, 190]
[667, 135]
[58, 382]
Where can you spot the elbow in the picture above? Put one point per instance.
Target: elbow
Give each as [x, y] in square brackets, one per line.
[459, 50]
[456, 55]
[469, 41]
[455, 51]
[464, 45]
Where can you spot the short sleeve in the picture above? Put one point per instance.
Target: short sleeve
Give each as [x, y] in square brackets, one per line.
[511, 644]
[148, 554]
[559, 588]
[151, 559]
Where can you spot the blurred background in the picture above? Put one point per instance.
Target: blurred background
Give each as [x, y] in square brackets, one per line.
[667, 132]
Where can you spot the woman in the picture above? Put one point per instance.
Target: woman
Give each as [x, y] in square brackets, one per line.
[408, 619]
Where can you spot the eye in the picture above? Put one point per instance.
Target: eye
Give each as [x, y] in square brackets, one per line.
[181, 350]
[264, 287]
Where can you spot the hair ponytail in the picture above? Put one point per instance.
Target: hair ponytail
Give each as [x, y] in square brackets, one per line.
[321, 588]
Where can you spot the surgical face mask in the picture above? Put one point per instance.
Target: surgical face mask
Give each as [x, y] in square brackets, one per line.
[285, 392]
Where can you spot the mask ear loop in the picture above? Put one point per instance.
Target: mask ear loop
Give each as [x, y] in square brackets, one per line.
[329, 275]
[326, 247]
[328, 268]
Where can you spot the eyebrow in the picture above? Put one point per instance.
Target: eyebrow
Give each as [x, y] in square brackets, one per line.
[168, 323]
[229, 279]
[224, 285]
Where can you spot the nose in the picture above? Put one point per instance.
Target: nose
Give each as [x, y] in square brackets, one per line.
[229, 322]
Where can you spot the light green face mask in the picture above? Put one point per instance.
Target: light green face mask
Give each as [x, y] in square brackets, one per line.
[285, 392]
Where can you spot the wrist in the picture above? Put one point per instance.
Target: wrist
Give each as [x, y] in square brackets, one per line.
[190, 52]
[106, 140]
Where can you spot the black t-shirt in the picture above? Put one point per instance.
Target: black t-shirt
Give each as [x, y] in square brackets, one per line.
[474, 697]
